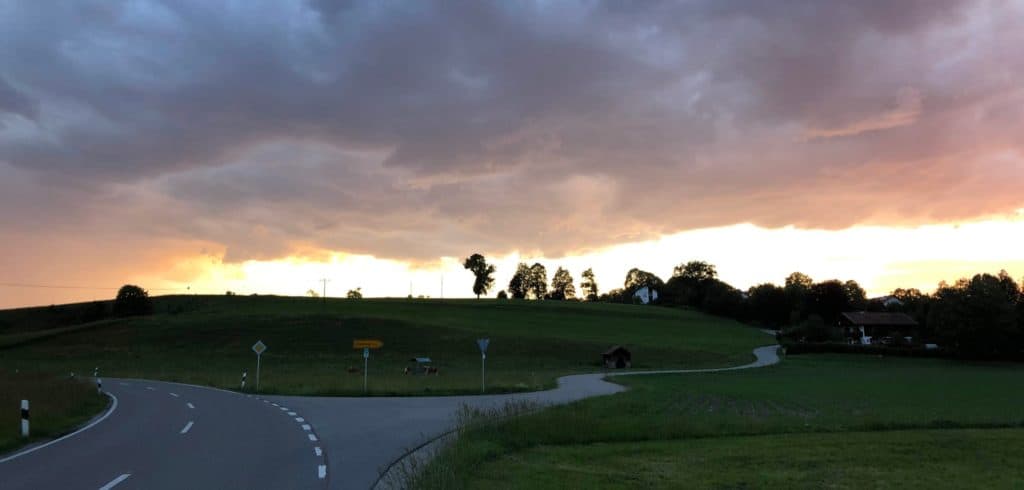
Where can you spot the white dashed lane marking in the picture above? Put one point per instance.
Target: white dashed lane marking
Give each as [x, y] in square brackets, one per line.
[321, 471]
[318, 451]
[291, 414]
[187, 427]
[113, 483]
[312, 437]
[300, 419]
[306, 427]
[190, 405]
[175, 395]
[150, 388]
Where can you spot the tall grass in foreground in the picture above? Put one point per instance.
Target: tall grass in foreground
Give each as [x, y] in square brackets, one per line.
[58, 405]
[436, 465]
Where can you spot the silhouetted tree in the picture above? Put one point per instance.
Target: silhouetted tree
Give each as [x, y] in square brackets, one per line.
[312, 294]
[132, 300]
[502, 294]
[798, 287]
[561, 285]
[356, 293]
[770, 305]
[483, 272]
[690, 283]
[519, 285]
[828, 299]
[537, 284]
[977, 317]
[696, 271]
[636, 279]
[588, 285]
[856, 298]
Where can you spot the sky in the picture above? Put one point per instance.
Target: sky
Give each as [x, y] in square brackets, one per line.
[260, 146]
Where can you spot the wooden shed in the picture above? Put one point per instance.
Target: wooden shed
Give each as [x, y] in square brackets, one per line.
[617, 357]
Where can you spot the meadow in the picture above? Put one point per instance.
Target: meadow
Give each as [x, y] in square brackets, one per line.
[781, 426]
[207, 339]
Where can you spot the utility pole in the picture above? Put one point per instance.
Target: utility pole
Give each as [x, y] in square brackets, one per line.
[324, 295]
[442, 286]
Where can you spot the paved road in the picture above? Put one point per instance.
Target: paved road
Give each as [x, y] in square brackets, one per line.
[166, 435]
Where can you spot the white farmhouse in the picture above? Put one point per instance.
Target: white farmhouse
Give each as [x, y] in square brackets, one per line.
[645, 295]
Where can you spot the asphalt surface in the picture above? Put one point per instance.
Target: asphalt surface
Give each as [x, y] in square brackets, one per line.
[167, 435]
[231, 441]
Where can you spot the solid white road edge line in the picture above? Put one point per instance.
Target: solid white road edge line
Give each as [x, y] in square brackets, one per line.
[318, 451]
[113, 407]
[113, 483]
[187, 427]
[312, 437]
[190, 405]
[321, 471]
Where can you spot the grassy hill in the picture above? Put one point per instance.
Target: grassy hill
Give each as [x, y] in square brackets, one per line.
[207, 339]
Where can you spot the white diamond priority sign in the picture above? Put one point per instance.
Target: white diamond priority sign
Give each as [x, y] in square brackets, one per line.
[482, 343]
[259, 347]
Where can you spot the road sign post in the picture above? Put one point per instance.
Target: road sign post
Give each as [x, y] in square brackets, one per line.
[259, 347]
[366, 366]
[482, 344]
[366, 345]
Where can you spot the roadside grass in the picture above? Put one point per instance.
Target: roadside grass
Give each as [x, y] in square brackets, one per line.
[57, 405]
[918, 459]
[806, 394]
[206, 340]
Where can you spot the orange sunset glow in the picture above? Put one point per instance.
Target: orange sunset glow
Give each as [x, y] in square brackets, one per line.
[378, 146]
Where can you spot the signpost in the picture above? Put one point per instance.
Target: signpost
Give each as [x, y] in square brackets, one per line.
[259, 347]
[482, 344]
[366, 345]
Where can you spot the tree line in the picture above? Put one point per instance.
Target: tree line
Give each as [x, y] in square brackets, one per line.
[981, 316]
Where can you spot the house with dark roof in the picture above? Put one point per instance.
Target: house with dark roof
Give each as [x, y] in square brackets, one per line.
[866, 327]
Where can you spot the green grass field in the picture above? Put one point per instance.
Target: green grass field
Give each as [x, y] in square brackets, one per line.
[725, 430]
[206, 340]
[58, 405]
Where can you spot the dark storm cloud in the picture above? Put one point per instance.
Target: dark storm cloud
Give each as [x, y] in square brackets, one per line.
[419, 129]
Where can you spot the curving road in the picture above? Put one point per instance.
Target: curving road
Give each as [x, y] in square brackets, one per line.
[167, 435]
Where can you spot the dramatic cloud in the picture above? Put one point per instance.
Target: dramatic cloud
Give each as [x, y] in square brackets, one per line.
[413, 130]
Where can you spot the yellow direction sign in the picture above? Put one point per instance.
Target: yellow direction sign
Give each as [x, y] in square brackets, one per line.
[367, 344]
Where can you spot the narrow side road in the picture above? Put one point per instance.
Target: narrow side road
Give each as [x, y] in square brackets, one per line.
[364, 435]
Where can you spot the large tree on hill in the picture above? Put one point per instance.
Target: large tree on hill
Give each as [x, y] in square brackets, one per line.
[588, 285]
[691, 282]
[483, 272]
[561, 285]
[696, 271]
[519, 285]
[537, 285]
[132, 300]
[636, 279]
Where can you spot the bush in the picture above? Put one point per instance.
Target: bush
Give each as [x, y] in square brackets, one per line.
[502, 294]
[132, 300]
